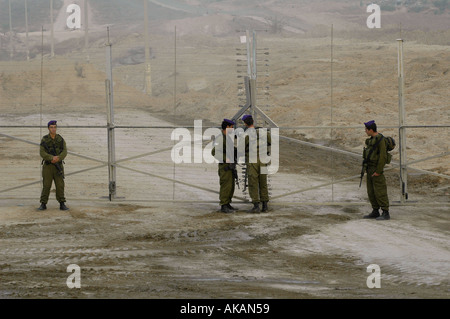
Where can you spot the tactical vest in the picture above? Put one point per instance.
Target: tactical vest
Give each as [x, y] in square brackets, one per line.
[264, 138]
[372, 151]
[51, 146]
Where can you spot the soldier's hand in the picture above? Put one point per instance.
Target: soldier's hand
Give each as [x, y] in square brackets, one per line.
[375, 174]
[55, 159]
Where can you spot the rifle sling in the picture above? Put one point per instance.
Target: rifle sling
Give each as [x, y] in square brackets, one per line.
[366, 160]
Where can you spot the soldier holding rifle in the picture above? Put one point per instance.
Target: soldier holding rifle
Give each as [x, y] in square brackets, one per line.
[53, 150]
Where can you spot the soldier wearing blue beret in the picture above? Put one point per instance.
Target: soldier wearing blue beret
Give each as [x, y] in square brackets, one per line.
[375, 155]
[53, 150]
[226, 177]
[257, 181]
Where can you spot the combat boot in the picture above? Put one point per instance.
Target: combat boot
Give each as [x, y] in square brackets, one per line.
[264, 207]
[231, 207]
[384, 215]
[255, 209]
[62, 206]
[374, 214]
[225, 209]
[43, 206]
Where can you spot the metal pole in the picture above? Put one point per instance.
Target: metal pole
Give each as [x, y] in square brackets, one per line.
[111, 134]
[148, 78]
[174, 101]
[11, 54]
[331, 111]
[254, 77]
[41, 99]
[26, 30]
[249, 65]
[86, 29]
[52, 54]
[402, 129]
[252, 82]
[254, 56]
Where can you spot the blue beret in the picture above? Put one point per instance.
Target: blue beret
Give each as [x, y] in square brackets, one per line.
[229, 121]
[51, 123]
[369, 123]
[247, 116]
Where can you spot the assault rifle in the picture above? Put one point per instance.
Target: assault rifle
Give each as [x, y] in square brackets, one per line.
[232, 167]
[366, 160]
[245, 177]
[53, 152]
[363, 168]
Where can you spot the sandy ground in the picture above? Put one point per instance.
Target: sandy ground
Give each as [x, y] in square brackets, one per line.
[170, 250]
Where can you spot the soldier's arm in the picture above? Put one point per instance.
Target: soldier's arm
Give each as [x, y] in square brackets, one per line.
[382, 157]
[217, 156]
[43, 152]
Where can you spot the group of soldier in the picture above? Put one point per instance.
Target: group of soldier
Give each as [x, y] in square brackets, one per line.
[53, 151]
[257, 178]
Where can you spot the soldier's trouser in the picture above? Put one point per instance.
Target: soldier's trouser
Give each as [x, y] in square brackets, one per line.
[226, 184]
[377, 190]
[50, 174]
[257, 183]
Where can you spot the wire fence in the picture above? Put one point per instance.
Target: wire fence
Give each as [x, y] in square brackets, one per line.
[319, 91]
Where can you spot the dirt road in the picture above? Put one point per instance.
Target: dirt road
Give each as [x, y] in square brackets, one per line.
[176, 250]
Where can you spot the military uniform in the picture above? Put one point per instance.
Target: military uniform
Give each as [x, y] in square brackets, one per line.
[257, 180]
[50, 172]
[227, 181]
[376, 185]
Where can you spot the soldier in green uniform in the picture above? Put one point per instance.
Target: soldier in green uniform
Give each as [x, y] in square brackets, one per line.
[376, 181]
[53, 150]
[257, 180]
[225, 168]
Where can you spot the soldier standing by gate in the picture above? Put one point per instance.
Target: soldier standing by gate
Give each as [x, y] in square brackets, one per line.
[227, 180]
[53, 150]
[257, 180]
[375, 155]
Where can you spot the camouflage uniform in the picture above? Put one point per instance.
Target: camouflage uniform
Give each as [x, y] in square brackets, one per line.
[225, 174]
[376, 185]
[257, 181]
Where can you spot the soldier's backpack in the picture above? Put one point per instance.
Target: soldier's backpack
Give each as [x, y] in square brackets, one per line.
[390, 145]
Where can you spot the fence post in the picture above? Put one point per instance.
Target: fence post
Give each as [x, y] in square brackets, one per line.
[402, 128]
[110, 125]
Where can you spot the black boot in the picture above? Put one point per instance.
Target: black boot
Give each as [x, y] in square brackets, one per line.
[255, 209]
[374, 214]
[225, 209]
[264, 207]
[384, 215]
[43, 206]
[62, 206]
[231, 207]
